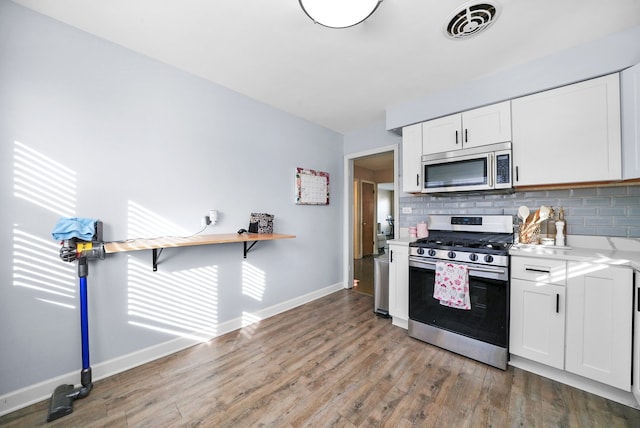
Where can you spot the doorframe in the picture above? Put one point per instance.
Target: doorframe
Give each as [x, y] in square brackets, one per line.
[348, 214]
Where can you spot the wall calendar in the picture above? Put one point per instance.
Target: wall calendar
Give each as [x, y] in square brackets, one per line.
[312, 187]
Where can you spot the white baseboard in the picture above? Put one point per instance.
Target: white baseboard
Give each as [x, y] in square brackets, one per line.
[24, 397]
[588, 385]
[400, 322]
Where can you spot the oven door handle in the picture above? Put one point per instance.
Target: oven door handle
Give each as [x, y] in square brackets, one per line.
[417, 263]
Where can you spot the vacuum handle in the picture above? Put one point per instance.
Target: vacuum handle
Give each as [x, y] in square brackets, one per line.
[83, 267]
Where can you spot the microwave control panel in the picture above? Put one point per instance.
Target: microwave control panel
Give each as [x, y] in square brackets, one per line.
[503, 169]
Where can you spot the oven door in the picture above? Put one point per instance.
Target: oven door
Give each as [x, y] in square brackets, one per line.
[487, 321]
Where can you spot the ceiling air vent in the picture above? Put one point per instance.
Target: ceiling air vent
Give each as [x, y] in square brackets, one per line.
[471, 18]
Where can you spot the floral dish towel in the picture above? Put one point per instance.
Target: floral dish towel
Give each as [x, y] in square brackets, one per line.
[452, 285]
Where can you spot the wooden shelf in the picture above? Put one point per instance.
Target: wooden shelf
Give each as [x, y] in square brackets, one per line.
[161, 243]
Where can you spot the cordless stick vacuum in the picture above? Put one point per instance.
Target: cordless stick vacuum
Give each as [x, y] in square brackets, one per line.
[64, 395]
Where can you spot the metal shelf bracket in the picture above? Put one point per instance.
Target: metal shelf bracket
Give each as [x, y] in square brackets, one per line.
[246, 250]
[155, 253]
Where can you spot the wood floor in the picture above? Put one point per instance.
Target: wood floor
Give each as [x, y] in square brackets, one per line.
[331, 362]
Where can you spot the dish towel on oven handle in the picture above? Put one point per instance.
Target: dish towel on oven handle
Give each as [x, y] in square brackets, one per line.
[452, 285]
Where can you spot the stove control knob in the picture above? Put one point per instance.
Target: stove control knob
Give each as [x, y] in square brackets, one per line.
[451, 255]
[488, 258]
[420, 251]
[473, 257]
[432, 252]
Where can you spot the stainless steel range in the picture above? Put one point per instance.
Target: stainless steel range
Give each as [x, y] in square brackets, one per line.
[479, 246]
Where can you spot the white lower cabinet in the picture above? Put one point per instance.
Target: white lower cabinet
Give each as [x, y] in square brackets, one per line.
[399, 283]
[537, 322]
[584, 327]
[536, 329]
[599, 323]
[636, 338]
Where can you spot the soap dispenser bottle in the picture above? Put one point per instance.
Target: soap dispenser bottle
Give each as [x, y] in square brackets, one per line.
[561, 229]
[551, 224]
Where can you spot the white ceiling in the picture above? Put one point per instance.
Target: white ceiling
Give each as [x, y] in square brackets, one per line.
[343, 79]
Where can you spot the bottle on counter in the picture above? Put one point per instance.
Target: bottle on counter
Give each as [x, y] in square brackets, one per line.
[551, 224]
[561, 229]
[422, 230]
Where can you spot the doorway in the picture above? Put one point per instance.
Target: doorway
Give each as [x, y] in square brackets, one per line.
[373, 210]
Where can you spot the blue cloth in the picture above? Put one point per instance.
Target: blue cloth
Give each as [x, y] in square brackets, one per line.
[74, 227]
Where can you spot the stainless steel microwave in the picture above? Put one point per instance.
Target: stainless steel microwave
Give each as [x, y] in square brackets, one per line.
[478, 168]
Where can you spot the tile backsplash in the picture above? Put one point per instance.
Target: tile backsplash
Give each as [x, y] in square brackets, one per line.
[601, 211]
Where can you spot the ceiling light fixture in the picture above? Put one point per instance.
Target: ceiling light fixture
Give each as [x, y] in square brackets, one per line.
[339, 13]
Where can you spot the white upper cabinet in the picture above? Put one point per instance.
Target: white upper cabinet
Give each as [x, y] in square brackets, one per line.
[442, 135]
[473, 128]
[569, 134]
[630, 98]
[411, 158]
[487, 125]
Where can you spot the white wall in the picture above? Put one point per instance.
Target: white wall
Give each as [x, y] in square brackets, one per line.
[134, 131]
[374, 136]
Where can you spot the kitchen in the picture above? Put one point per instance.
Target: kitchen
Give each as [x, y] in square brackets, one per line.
[128, 110]
[572, 334]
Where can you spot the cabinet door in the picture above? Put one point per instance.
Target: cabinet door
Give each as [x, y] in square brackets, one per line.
[536, 329]
[630, 99]
[411, 158]
[487, 125]
[442, 135]
[568, 135]
[599, 322]
[399, 284]
[636, 338]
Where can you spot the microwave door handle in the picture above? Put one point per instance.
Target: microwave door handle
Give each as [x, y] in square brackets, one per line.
[490, 172]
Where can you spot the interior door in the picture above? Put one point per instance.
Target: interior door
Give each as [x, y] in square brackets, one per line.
[368, 218]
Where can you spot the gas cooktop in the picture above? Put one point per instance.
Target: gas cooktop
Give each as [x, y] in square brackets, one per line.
[488, 244]
[474, 239]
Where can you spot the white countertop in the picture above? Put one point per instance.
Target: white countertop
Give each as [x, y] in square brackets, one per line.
[401, 241]
[588, 249]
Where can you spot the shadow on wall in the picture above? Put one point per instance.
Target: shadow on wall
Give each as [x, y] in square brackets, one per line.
[182, 303]
[50, 185]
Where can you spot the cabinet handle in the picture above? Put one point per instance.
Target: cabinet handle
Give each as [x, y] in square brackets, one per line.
[557, 303]
[466, 136]
[540, 270]
[456, 137]
[417, 179]
[517, 173]
[638, 298]
[390, 256]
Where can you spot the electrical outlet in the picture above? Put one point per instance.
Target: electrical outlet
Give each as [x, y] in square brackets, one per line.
[213, 216]
[406, 210]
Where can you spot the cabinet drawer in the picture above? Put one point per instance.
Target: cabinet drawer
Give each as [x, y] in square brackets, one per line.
[547, 271]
